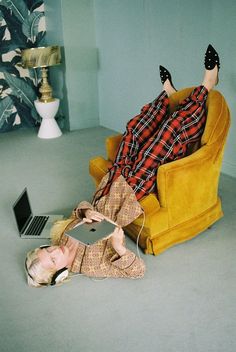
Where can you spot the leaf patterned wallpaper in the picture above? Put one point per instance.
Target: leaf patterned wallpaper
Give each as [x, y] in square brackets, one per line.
[22, 25]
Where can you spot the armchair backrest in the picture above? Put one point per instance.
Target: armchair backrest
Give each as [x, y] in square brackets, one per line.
[218, 115]
[217, 124]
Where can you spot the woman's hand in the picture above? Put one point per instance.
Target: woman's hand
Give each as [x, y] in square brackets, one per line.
[117, 239]
[92, 215]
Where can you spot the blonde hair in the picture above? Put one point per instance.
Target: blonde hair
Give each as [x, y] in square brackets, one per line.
[58, 229]
[37, 275]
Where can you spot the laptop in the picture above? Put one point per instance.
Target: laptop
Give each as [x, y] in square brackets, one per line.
[88, 233]
[30, 226]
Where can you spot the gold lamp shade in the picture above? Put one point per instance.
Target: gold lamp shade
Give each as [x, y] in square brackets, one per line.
[42, 57]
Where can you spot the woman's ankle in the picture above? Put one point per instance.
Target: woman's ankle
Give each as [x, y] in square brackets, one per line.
[210, 79]
[168, 88]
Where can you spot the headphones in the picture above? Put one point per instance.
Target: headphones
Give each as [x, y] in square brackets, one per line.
[58, 277]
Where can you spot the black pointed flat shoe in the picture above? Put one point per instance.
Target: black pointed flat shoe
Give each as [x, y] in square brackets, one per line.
[164, 75]
[211, 58]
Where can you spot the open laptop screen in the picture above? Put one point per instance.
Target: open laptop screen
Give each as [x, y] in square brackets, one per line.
[22, 211]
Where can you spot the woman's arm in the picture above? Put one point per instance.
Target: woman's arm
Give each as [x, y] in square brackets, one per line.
[92, 215]
[125, 263]
[85, 210]
[117, 240]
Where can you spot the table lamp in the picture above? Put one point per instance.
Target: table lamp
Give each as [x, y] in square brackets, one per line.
[42, 57]
[46, 105]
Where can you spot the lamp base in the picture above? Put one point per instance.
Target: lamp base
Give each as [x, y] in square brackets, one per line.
[49, 127]
[45, 89]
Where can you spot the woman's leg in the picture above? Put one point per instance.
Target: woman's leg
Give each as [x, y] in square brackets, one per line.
[140, 128]
[138, 131]
[143, 126]
[184, 125]
[169, 142]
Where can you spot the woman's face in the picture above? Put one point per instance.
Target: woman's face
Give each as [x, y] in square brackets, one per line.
[54, 257]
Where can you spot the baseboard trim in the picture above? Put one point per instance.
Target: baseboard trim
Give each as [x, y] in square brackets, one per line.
[229, 169]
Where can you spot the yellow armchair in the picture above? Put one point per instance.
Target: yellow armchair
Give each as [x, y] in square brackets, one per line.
[188, 201]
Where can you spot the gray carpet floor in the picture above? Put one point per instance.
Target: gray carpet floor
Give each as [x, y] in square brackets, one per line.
[185, 302]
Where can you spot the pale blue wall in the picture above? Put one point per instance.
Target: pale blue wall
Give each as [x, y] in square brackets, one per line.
[135, 36]
[71, 24]
[55, 36]
[223, 27]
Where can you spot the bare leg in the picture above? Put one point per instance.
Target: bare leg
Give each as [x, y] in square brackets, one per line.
[166, 80]
[167, 86]
[210, 78]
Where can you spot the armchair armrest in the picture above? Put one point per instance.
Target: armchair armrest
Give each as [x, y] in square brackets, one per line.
[98, 167]
[189, 185]
[112, 144]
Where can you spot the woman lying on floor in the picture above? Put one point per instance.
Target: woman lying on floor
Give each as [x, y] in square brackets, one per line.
[152, 138]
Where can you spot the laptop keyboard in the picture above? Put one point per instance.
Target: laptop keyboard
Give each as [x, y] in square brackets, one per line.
[36, 226]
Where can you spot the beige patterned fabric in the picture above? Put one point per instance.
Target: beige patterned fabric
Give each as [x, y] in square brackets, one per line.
[99, 259]
[120, 204]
